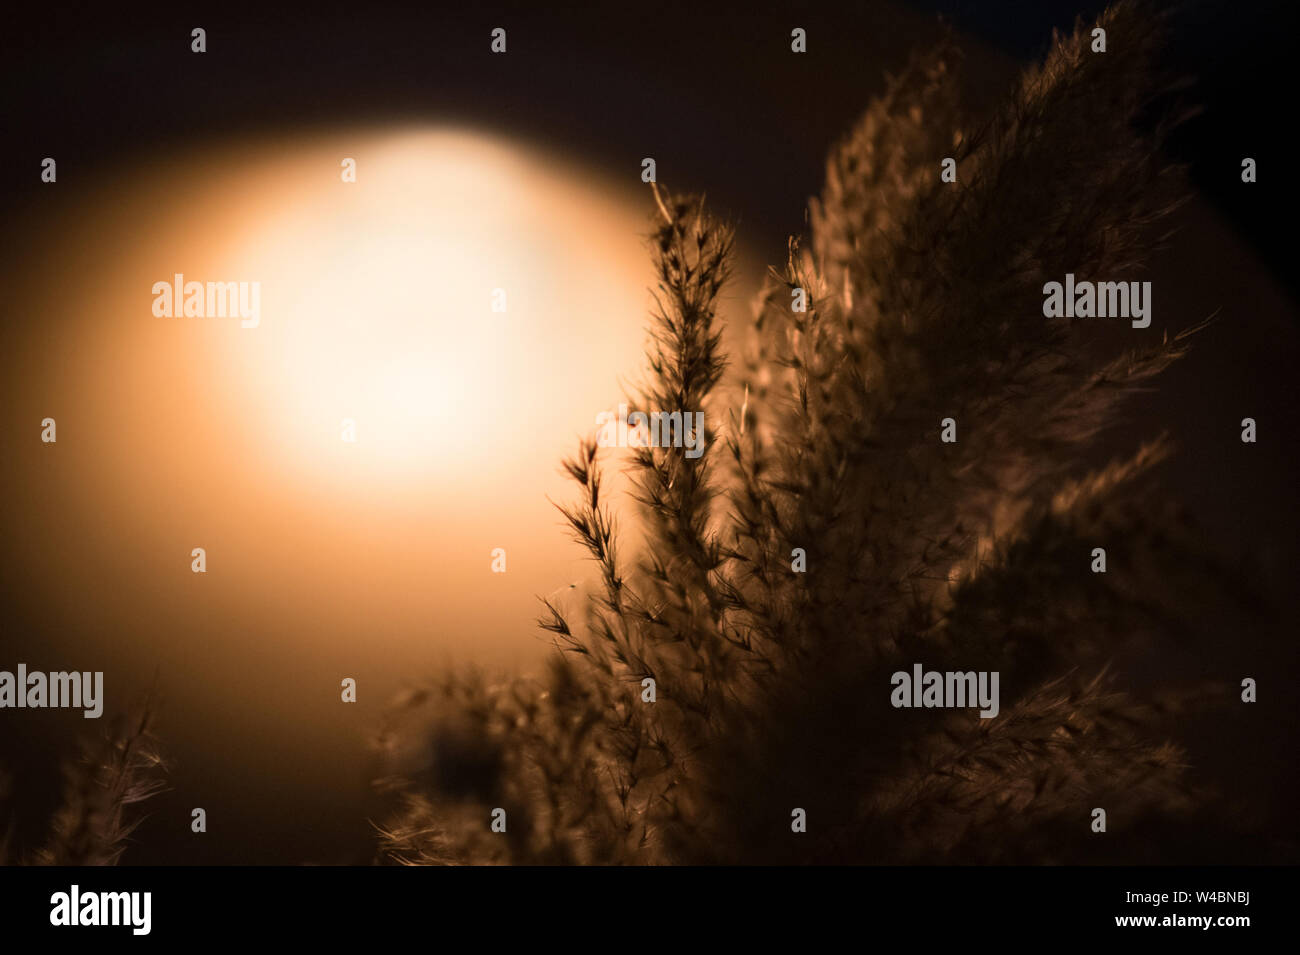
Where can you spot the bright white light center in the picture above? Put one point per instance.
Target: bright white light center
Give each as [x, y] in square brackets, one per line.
[377, 306]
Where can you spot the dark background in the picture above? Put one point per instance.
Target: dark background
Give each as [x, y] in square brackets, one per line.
[711, 88]
[712, 92]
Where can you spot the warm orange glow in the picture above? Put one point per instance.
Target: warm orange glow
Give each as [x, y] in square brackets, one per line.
[325, 559]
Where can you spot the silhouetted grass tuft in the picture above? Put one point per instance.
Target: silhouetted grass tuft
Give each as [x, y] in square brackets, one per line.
[773, 687]
[115, 773]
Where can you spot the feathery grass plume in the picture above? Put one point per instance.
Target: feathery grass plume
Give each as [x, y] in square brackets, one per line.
[519, 746]
[116, 773]
[773, 687]
[586, 771]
